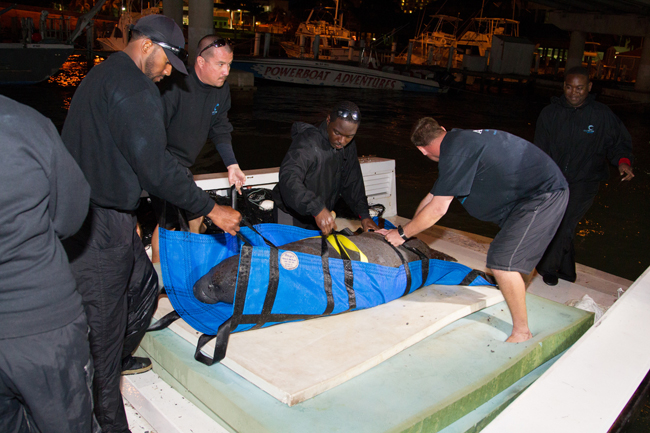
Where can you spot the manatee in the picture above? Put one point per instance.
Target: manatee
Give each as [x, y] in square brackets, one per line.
[218, 285]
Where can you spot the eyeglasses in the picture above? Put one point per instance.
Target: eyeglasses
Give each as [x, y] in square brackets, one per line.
[179, 52]
[344, 114]
[221, 42]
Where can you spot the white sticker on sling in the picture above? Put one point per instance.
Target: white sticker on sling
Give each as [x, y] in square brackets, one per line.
[289, 260]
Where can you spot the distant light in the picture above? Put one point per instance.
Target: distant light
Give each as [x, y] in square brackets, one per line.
[123, 8]
[238, 10]
[227, 10]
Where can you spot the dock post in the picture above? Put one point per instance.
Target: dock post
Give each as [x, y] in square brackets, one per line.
[316, 46]
[90, 40]
[393, 51]
[362, 51]
[256, 50]
[267, 44]
[302, 46]
[450, 61]
[430, 57]
[350, 49]
[408, 55]
[536, 63]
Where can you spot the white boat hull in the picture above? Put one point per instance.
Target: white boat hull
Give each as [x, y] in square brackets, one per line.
[318, 73]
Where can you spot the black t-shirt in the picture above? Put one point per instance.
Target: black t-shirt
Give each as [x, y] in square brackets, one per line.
[491, 171]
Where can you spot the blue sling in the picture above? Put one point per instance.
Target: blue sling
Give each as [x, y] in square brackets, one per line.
[275, 286]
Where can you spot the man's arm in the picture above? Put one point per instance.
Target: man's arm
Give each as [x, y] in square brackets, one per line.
[69, 190]
[140, 135]
[425, 201]
[619, 146]
[430, 214]
[220, 135]
[293, 171]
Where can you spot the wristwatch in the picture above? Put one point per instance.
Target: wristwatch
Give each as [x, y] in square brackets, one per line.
[400, 230]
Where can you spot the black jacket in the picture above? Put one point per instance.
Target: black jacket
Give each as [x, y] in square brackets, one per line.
[116, 133]
[582, 140]
[44, 198]
[194, 112]
[314, 175]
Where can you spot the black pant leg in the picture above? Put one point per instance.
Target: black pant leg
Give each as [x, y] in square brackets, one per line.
[142, 297]
[101, 259]
[45, 381]
[559, 257]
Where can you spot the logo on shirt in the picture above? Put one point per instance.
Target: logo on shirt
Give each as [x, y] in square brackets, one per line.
[590, 129]
[478, 131]
[215, 109]
[481, 131]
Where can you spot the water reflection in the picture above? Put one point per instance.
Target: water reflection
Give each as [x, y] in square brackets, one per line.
[72, 72]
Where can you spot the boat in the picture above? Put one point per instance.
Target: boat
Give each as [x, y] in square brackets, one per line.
[587, 385]
[31, 63]
[333, 40]
[479, 32]
[118, 38]
[432, 45]
[333, 74]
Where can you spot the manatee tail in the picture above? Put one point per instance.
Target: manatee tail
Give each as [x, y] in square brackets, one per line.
[208, 291]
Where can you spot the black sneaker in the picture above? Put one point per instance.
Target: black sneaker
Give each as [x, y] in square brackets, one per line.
[135, 365]
[550, 280]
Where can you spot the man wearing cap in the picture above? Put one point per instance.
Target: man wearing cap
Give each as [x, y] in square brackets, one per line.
[196, 109]
[116, 133]
[320, 167]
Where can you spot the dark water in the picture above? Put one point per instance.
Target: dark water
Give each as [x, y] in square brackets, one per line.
[613, 237]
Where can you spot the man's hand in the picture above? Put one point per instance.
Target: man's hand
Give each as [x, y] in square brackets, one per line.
[368, 224]
[325, 221]
[392, 236]
[626, 171]
[236, 177]
[226, 218]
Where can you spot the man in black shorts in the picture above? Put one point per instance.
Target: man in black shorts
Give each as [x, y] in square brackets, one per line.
[501, 178]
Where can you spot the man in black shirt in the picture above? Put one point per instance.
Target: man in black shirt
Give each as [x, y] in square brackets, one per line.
[196, 109]
[583, 137]
[115, 131]
[501, 178]
[45, 363]
[320, 167]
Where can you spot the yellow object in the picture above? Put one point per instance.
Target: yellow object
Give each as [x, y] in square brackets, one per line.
[347, 245]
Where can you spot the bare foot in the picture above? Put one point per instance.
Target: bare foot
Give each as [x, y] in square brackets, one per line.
[518, 337]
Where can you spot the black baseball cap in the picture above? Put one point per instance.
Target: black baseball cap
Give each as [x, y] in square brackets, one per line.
[165, 32]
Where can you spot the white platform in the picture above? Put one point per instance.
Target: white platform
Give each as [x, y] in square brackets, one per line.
[299, 360]
[588, 387]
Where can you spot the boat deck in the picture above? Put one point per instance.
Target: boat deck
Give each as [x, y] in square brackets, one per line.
[156, 407]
